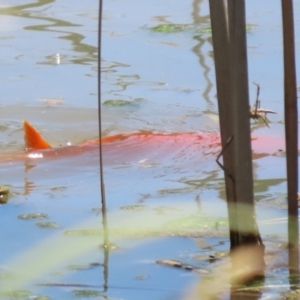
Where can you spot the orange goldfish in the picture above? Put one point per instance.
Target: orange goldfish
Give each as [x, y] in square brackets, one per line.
[123, 147]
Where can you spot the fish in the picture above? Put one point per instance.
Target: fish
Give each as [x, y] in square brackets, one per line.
[136, 146]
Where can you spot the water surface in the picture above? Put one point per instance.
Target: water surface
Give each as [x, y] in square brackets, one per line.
[49, 76]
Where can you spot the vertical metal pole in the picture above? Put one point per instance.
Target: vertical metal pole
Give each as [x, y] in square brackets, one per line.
[291, 131]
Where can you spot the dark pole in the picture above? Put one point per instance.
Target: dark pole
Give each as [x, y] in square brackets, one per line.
[230, 54]
[241, 124]
[219, 25]
[291, 131]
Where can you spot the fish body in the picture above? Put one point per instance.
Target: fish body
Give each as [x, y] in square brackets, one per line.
[139, 145]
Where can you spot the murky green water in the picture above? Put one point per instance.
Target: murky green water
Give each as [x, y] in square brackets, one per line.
[49, 76]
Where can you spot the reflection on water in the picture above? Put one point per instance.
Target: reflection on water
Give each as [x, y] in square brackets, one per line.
[89, 51]
[201, 52]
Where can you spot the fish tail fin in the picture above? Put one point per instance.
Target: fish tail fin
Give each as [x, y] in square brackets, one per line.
[33, 139]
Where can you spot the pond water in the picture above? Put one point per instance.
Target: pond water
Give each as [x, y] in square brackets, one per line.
[163, 207]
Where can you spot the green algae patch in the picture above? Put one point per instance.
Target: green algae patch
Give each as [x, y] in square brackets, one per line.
[4, 194]
[136, 207]
[118, 103]
[192, 226]
[140, 220]
[50, 225]
[196, 222]
[31, 216]
[176, 191]
[83, 232]
[202, 28]
[87, 293]
[211, 258]
[79, 267]
[16, 294]
[169, 28]
[6, 275]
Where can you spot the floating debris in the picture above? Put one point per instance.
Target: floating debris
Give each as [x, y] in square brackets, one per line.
[52, 101]
[181, 265]
[259, 113]
[4, 194]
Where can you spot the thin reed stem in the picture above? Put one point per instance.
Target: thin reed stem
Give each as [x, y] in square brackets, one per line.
[102, 186]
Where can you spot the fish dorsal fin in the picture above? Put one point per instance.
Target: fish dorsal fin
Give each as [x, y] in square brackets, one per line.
[33, 139]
